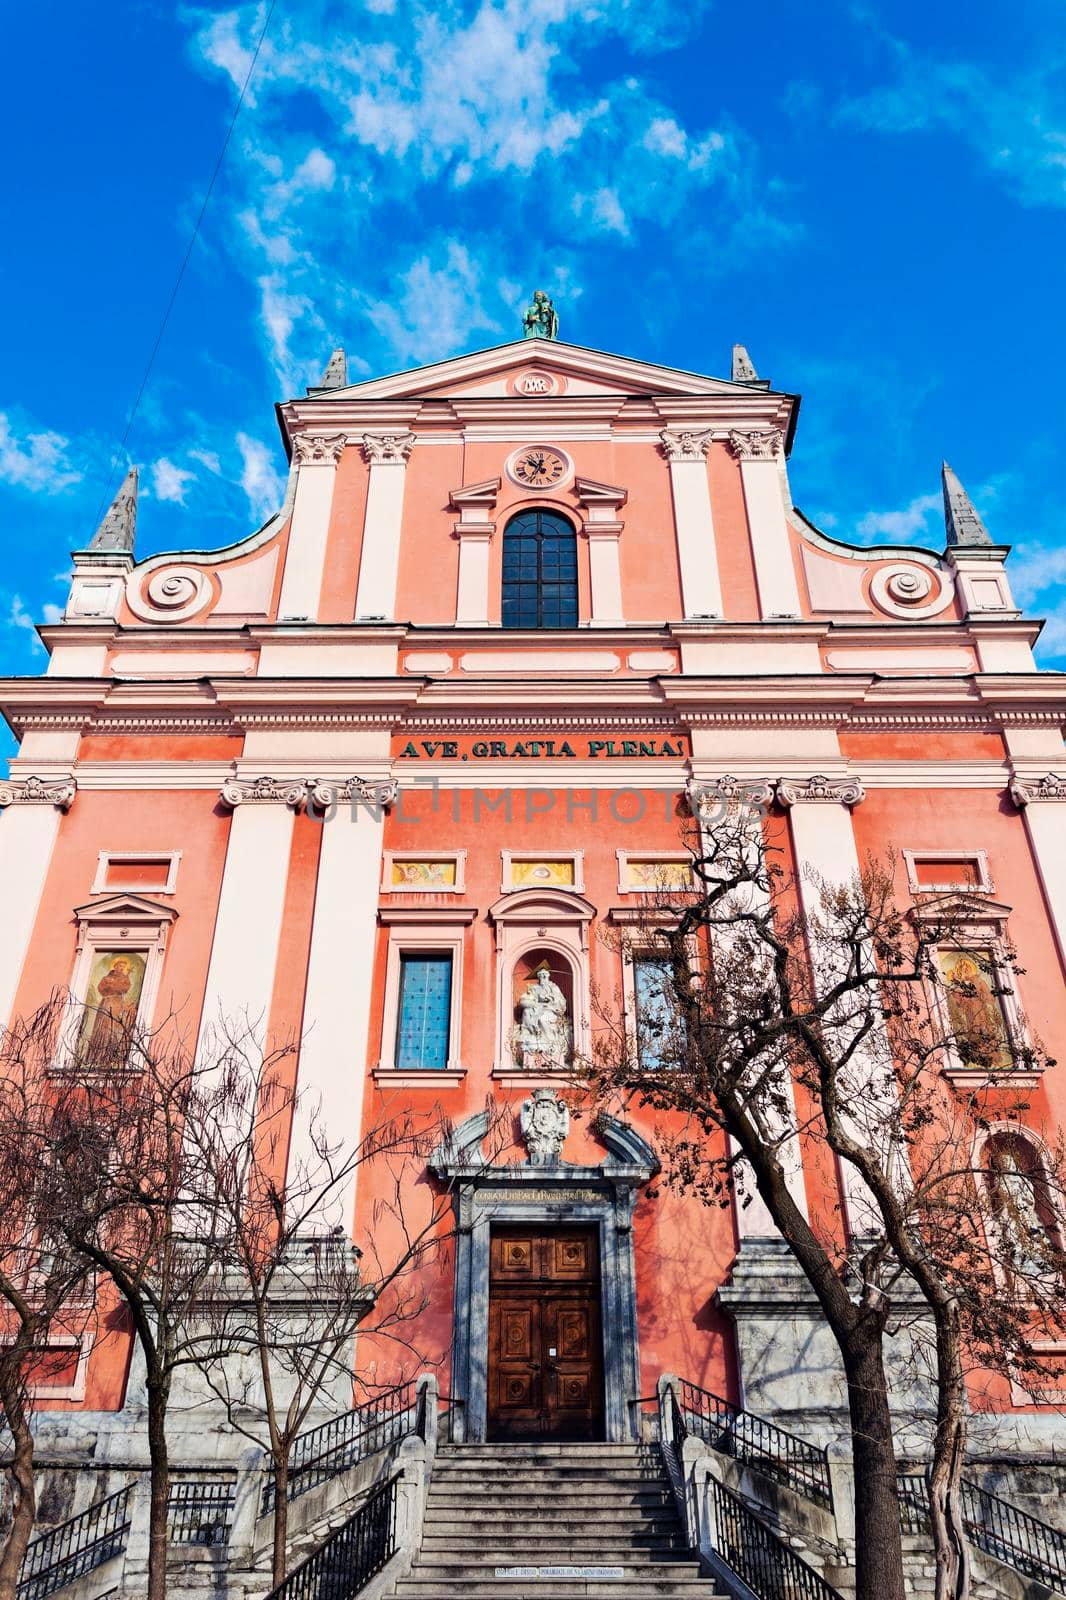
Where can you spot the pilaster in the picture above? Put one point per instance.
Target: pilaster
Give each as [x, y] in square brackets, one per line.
[317, 455]
[32, 810]
[333, 1053]
[1042, 802]
[474, 531]
[759, 454]
[379, 563]
[701, 589]
[240, 977]
[602, 527]
[713, 800]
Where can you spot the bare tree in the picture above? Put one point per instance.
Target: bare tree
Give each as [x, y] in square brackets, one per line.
[847, 1005]
[285, 1305]
[124, 1144]
[46, 1301]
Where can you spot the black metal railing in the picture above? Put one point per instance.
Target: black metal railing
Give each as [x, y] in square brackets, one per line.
[754, 1441]
[350, 1557]
[993, 1525]
[76, 1547]
[769, 1567]
[199, 1510]
[323, 1452]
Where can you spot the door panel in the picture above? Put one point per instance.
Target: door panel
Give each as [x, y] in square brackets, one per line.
[545, 1366]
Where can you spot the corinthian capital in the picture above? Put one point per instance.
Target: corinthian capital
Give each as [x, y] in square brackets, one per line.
[319, 449]
[263, 791]
[819, 789]
[1050, 787]
[686, 444]
[39, 791]
[759, 445]
[388, 446]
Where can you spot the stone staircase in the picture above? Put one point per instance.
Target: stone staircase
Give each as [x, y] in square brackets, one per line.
[494, 1512]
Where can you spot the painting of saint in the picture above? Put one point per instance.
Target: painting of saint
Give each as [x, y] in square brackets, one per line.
[112, 1000]
[423, 874]
[975, 1010]
[658, 875]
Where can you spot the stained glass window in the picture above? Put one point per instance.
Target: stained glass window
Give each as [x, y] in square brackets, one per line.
[656, 1013]
[539, 572]
[425, 1011]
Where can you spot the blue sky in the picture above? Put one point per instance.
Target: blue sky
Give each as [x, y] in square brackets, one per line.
[870, 198]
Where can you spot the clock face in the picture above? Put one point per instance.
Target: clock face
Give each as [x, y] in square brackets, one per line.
[539, 467]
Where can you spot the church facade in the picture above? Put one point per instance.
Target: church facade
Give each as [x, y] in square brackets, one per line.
[388, 774]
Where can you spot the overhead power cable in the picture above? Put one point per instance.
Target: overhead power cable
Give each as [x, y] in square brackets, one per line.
[119, 453]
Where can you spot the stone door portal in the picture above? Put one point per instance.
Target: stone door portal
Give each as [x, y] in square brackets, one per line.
[545, 1357]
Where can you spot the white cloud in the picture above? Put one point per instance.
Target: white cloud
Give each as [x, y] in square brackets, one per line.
[38, 461]
[52, 613]
[169, 480]
[439, 305]
[259, 477]
[906, 525]
[19, 617]
[208, 459]
[500, 115]
[1034, 569]
[1015, 123]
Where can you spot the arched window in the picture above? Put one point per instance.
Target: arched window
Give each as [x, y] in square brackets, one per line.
[539, 571]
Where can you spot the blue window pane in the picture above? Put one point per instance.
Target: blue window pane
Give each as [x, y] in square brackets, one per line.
[425, 1011]
[539, 572]
[656, 1015]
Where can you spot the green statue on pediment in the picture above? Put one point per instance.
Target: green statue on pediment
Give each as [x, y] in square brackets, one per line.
[541, 320]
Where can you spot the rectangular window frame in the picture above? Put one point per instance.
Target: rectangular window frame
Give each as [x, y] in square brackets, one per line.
[631, 917]
[75, 1390]
[389, 857]
[122, 922]
[107, 858]
[666, 857]
[441, 932]
[509, 857]
[984, 884]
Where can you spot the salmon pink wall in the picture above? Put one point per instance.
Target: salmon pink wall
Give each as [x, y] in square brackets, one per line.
[683, 1249]
[736, 567]
[345, 540]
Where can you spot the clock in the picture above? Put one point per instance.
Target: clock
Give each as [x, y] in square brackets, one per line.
[538, 466]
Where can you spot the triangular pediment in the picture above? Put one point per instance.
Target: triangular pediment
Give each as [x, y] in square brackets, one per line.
[123, 906]
[570, 367]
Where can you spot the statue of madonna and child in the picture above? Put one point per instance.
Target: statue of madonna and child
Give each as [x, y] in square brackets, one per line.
[543, 1037]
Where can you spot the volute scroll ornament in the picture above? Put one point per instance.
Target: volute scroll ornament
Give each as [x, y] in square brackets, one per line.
[39, 791]
[545, 1122]
[820, 789]
[169, 594]
[713, 800]
[264, 791]
[323, 795]
[1050, 787]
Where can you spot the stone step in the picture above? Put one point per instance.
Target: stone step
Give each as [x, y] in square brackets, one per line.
[636, 1586]
[497, 1524]
[544, 1501]
[550, 1472]
[635, 1545]
[474, 1454]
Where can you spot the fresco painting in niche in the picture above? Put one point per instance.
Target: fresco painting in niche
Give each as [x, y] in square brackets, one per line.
[975, 1010]
[542, 874]
[657, 875]
[112, 1000]
[423, 874]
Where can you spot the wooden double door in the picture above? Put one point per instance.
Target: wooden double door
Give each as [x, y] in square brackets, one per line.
[545, 1370]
